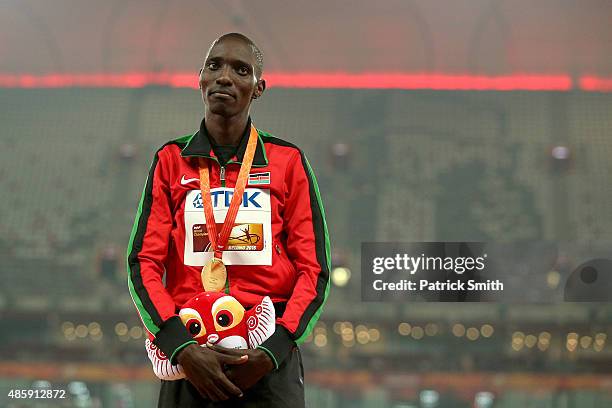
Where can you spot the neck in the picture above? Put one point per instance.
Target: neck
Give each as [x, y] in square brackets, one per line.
[225, 131]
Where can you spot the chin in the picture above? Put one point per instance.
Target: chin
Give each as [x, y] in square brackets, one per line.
[233, 342]
[221, 111]
[224, 110]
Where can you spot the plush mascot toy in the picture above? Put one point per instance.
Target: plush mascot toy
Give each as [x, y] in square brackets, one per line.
[217, 318]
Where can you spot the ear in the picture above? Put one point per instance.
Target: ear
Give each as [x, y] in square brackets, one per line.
[262, 324]
[261, 87]
[200, 77]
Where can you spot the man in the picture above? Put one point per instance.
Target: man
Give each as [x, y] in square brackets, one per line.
[283, 251]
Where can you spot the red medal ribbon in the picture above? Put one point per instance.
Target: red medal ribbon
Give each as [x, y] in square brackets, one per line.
[218, 242]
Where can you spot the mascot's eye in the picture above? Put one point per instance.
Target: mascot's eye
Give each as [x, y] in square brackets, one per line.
[193, 322]
[224, 318]
[194, 327]
[227, 313]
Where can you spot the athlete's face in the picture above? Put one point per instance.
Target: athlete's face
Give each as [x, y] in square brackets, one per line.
[228, 81]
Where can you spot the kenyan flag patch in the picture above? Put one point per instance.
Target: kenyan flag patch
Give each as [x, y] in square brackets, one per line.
[259, 179]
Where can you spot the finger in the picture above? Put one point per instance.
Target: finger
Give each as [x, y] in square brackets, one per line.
[204, 393]
[206, 390]
[228, 387]
[216, 394]
[223, 350]
[202, 390]
[228, 356]
[232, 360]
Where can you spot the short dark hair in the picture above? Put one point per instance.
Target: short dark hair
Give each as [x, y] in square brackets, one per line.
[259, 60]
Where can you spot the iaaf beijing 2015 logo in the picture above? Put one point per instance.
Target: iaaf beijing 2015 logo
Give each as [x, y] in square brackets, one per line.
[243, 237]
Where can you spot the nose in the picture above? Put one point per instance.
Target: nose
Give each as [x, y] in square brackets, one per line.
[224, 77]
[213, 338]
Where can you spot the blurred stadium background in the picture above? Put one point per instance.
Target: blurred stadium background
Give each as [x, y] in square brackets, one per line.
[462, 120]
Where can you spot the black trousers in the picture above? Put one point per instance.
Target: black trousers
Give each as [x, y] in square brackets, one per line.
[278, 389]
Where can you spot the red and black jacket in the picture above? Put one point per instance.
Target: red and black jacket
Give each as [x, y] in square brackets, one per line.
[296, 272]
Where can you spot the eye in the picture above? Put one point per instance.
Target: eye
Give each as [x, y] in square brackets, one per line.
[194, 327]
[212, 65]
[193, 322]
[227, 313]
[243, 70]
[224, 318]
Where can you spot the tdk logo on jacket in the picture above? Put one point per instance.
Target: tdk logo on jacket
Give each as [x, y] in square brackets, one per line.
[222, 197]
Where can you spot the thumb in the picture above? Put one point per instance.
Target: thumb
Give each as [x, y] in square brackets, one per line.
[232, 360]
[227, 351]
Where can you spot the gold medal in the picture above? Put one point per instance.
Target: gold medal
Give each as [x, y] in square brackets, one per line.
[214, 275]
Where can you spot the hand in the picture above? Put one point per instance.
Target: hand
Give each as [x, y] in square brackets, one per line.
[254, 369]
[203, 367]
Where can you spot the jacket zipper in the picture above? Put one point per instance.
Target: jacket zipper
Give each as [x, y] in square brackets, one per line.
[222, 179]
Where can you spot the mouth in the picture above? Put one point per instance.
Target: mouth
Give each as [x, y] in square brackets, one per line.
[221, 94]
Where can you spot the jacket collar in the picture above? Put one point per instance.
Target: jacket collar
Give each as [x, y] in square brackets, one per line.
[199, 146]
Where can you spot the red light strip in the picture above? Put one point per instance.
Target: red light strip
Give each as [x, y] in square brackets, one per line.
[595, 84]
[424, 81]
[334, 80]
